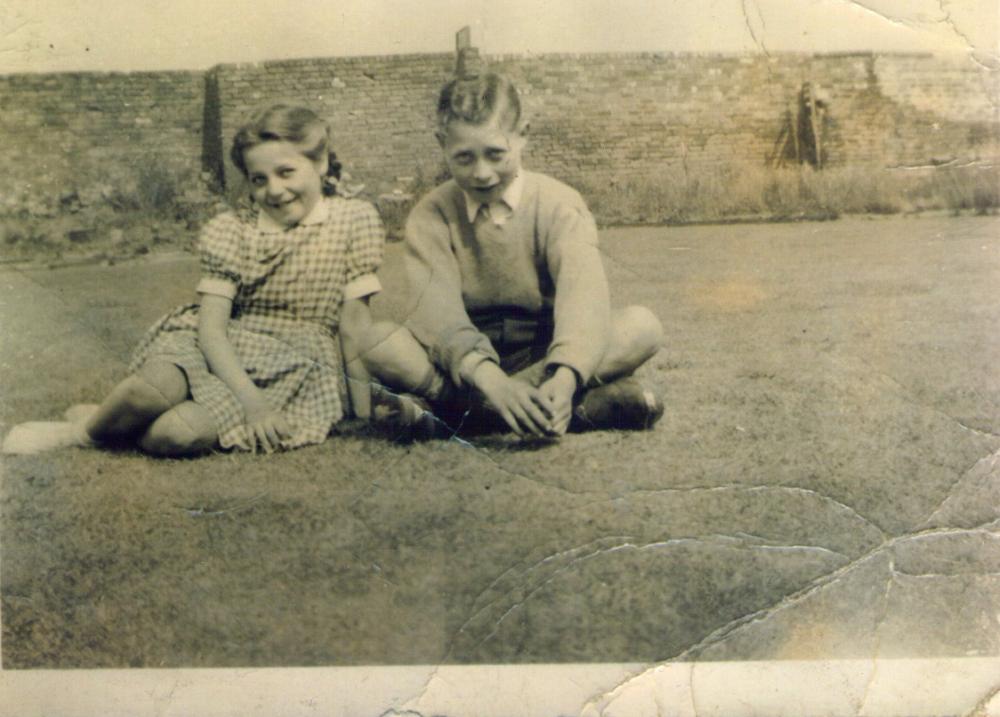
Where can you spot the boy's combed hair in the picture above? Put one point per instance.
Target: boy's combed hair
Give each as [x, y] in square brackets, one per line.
[299, 126]
[479, 100]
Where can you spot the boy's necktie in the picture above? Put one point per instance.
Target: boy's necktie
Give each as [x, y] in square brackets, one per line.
[486, 227]
[482, 214]
[496, 214]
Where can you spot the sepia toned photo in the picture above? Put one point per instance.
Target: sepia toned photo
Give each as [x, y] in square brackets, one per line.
[467, 358]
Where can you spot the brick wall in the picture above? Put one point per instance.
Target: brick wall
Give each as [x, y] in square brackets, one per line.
[65, 131]
[633, 114]
[380, 109]
[592, 116]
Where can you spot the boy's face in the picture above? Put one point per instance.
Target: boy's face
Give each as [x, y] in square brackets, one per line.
[483, 158]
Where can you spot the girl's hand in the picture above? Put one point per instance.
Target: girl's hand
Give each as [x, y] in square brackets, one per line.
[267, 426]
[558, 390]
[522, 406]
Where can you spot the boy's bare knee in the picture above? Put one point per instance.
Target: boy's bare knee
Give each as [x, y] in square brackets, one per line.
[382, 330]
[378, 340]
[393, 351]
[187, 429]
[643, 330]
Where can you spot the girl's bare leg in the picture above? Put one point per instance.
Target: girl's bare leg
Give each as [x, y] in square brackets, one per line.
[136, 402]
[126, 412]
[187, 429]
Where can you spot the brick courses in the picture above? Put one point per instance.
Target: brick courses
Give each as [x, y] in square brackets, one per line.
[593, 116]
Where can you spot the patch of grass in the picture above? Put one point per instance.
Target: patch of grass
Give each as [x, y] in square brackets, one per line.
[802, 357]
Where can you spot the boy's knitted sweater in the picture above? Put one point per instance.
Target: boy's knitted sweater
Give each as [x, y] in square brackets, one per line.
[544, 260]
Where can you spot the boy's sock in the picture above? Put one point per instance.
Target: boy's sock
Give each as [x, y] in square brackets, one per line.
[409, 414]
[436, 387]
[449, 402]
[40, 436]
[625, 404]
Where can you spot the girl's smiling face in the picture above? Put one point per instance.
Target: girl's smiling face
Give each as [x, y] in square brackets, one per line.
[285, 182]
[483, 158]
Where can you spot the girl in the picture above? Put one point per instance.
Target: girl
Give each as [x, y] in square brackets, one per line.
[256, 363]
[507, 293]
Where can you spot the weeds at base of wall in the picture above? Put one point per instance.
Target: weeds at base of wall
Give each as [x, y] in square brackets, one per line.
[397, 199]
[749, 192]
[154, 207]
[133, 210]
[129, 211]
[676, 196]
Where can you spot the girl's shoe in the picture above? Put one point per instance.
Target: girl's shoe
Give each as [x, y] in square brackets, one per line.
[40, 436]
[625, 404]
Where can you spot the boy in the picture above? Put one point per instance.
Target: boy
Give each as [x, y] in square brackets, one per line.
[506, 290]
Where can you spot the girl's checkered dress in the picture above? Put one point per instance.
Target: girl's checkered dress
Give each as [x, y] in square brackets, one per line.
[289, 289]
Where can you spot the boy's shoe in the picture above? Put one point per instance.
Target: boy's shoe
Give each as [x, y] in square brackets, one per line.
[406, 415]
[625, 404]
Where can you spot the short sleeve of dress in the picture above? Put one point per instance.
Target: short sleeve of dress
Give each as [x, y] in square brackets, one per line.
[364, 252]
[218, 247]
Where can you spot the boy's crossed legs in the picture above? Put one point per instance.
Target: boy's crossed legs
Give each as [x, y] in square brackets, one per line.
[395, 356]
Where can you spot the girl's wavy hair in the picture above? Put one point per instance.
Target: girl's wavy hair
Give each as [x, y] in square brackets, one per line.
[479, 100]
[300, 127]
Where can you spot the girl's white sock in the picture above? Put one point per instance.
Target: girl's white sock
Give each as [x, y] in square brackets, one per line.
[80, 412]
[40, 436]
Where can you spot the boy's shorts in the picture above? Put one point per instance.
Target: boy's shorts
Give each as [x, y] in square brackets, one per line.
[521, 338]
[522, 341]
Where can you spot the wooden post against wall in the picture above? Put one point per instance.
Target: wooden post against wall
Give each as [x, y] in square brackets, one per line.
[815, 130]
[467, 61]
[463, 39]
[793, 120]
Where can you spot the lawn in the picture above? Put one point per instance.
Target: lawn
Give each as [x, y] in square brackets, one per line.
[825, 482]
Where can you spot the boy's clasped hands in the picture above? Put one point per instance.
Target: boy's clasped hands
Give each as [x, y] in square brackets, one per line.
[541, 411]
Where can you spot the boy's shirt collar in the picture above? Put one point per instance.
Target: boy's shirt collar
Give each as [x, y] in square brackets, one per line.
[319, 214]
[503, 208]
